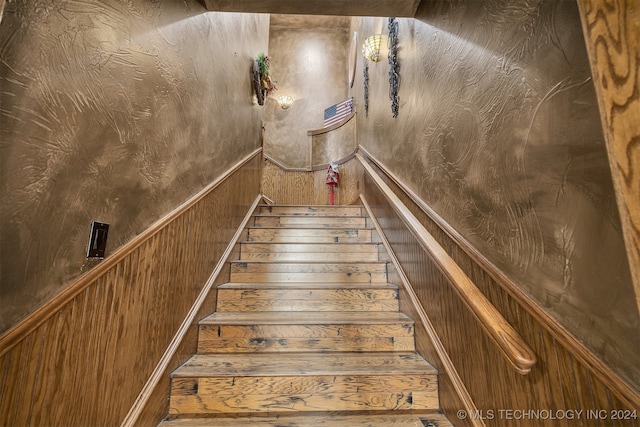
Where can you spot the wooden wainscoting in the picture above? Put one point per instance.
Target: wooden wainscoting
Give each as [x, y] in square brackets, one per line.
[301, 187]
[567, 375]
[83, 358]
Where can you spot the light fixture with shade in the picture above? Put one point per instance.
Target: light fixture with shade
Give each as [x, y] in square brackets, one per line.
[371, 47]
[285, 101]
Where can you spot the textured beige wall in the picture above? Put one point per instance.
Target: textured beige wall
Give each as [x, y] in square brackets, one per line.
[499, 132]
[113, 111]
[308, 62]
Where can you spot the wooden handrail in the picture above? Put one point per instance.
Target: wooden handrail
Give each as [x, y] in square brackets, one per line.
[312, 168]
[283, 167]
[512, 346]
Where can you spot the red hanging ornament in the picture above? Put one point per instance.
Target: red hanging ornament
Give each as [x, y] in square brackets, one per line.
[332, 180]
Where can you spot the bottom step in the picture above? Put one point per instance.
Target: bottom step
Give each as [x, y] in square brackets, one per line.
[324, 420]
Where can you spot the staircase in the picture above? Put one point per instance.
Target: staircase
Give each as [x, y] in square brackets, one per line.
[306, 333]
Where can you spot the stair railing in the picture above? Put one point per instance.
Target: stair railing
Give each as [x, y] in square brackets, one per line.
[511, 345]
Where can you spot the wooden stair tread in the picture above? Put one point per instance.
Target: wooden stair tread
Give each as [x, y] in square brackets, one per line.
[306, 271]
[307, 285]
[304, 318]
[311, 263]
[304, 331]
[269, 247]
[322, 420]
[309, 235]
[304, 364]
[305, 217]
[306, 228]
[300, 210]
[309, 252]
[302, 221]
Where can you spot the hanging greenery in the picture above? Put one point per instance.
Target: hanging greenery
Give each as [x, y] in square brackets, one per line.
[263, 85]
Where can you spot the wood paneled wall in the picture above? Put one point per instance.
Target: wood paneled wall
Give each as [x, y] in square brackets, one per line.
[82, 359]
[309, 187]
[567, 376]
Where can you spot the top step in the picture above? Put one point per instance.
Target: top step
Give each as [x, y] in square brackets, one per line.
[295, 210]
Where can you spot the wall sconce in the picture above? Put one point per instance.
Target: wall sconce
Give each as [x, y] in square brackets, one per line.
[371, 47]
[285, 101]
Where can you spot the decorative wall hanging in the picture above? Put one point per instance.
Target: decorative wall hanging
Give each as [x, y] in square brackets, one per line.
[353, 59]
[263, 85]
[366, 88]
[394, 76]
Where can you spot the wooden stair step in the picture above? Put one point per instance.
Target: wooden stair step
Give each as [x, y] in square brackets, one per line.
[307, 285]
[264, 271]
[324, 297]
[305, 331]
[310, 221]
[280, 382]
[423, 419]
[304, 318]
[355, 252]
[309, 235]
[304, 364]
[309, 247]
[294, 210]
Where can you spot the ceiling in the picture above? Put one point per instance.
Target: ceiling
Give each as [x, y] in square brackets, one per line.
[395, 8]
[309, 21]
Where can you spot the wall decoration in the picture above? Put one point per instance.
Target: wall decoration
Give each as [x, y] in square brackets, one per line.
[371, 47]
[263, 85]
[366, 88]
[394, 76]
[353, 59]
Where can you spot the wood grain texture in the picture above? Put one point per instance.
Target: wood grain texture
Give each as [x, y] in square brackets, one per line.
[305, 331]
[309, 187]
[562, 379]
[106, 333]
[612, 35]
[306, 382]
[324, 420]
[156, 389]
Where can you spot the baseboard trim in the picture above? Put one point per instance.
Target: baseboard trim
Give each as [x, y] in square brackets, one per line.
[164, 364]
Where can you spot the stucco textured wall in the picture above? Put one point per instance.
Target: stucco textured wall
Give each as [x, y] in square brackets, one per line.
[112, 111]
[309, 56]
[499, 132]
